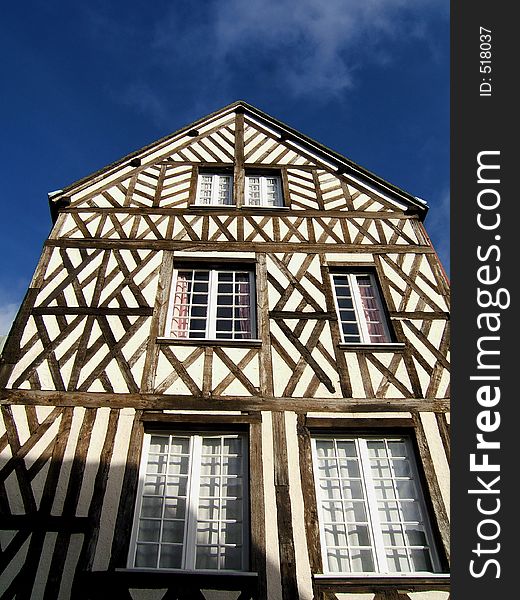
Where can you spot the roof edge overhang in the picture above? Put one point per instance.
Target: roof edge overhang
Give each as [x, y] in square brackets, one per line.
[342, 164]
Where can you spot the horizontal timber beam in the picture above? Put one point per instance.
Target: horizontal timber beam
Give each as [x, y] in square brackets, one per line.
[243, 403]
[199, 246]
[243, 212]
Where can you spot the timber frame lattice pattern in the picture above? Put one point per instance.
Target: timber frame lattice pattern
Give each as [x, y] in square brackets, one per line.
[87, 361]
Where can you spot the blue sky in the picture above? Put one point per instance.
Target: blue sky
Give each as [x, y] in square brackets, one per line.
[85, 83]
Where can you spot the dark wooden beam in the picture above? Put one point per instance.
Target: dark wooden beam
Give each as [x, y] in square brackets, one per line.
[243, 403]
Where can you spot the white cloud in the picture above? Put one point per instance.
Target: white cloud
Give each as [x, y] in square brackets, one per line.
[307, 46]
[145, 99]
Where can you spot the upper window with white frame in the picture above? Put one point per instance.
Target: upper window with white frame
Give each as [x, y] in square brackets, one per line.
[191, 511]
[263, 190]
[360, 309]
[213, 303]
[372, 513]
[215, 189]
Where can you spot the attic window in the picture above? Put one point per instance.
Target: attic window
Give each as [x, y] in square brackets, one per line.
[360, 308]
[263, 189]
[215, 189]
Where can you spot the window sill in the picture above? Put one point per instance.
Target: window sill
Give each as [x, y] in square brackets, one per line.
[388, 347]
[408, 582]
[189, 573]
[205, 342]
[253, 209]
[121, 580]
[245, 208]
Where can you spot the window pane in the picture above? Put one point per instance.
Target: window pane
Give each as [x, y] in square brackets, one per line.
[335, 535]
[349, 468]
[415, 536]
[171, 556]
[231, 533]
[209, 510]
[178, 465]
[146, 555]
[397, 560]
[421, 560]
[355, 512]
[176, 486]
[207, 557]
[158, 444]
[338, 561]
[210, 465]
[328, 468]
[175, 508]
[231, 509]
[157, 463]
[352, 489]
[325, 448]
[149, 530]
[232, 487]
[154, 485]
[401, 468]
[231, 558]
[358, 535]
[207, 533]
[173, 531]
[389, 512]
[362, 561]
[209, 487]
[393, 535]
[152, 507]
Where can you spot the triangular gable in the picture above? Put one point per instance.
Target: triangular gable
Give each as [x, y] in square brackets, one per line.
[160, 175]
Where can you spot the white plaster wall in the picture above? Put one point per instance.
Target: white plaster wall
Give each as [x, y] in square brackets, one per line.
[303, 569]
[274, 587]
[438, 455]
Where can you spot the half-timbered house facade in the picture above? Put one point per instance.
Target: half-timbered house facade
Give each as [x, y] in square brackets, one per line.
[229, 379]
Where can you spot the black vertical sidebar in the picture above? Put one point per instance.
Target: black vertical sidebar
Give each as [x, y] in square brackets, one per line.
[485, 264]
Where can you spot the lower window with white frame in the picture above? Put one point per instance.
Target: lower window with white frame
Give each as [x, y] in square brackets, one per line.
[191, 511]
[372, 513]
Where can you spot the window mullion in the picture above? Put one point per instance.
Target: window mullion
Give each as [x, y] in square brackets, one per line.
[193, 503]
[263, 191]
[377, 534]
[214, 189]
[211, 325]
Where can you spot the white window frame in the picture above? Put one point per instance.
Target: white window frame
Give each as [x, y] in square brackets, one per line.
[211, 318]
[371, 506]
[358, 307]
[188, 561]
[263, 190]
[215, 180]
